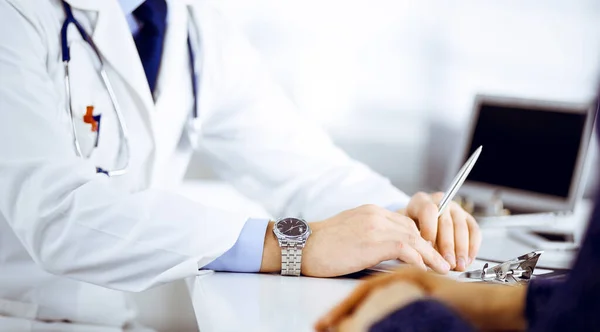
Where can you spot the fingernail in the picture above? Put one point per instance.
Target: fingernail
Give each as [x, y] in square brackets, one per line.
[461, 265]
[450, 259]
[430, 243]
[470, 260]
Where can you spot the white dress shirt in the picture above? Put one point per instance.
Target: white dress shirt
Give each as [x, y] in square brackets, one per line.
[128, 7]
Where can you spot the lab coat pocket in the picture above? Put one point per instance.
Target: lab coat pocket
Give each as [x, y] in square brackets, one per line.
[94, 116]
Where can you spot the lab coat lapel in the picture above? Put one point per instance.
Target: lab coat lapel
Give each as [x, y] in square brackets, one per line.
[112, 36]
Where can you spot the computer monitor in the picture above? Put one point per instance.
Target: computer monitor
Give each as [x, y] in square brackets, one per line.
[533, 155]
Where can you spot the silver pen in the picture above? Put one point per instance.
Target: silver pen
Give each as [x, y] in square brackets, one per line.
[458, 180]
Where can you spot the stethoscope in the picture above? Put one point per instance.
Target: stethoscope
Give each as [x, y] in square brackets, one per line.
[124, 132]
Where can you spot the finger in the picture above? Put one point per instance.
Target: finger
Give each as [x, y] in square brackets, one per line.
[461, 236]
[360, 293]
[347, 325]
[405, 237]
[423, 210]
[445, 238]
[384, 300]
[474, 238]
[401, 237]
[405, 289]
[431, 257]
[408, 254]
[344, 308]
[423, 248]
[437, 197]
[393, 296]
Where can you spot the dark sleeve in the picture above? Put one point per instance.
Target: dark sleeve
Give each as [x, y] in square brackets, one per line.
[423, 316]
[539, 293]
[574, 305]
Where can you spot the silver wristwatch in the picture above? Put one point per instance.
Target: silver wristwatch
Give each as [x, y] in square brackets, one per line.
[291, 234]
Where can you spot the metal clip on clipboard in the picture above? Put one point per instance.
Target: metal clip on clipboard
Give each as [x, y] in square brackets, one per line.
[515, 271]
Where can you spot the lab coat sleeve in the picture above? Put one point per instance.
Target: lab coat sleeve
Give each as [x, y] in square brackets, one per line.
[257, 140]
[69, 218]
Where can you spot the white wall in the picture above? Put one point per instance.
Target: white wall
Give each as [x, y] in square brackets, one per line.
[393, 80]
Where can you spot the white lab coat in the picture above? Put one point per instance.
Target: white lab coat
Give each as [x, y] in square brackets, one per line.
[72, 240]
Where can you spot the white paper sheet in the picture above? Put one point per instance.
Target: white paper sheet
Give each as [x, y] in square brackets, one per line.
[391, 265]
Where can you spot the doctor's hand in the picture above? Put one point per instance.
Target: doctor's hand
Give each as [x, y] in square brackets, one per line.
[455, 234]
[357, 239]
[487, 306]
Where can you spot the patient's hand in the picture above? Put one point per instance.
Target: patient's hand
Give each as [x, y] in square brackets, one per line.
[380, 303]
[487, 306]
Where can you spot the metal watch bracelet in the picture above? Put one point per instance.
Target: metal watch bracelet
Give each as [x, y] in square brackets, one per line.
[291, 258]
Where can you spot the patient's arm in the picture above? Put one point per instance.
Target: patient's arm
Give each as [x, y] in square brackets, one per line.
[572, 305]
[424, 315]
[538, 296]
[431, 315]
[485, 306]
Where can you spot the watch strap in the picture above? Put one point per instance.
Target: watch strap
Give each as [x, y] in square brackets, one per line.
[291, 258]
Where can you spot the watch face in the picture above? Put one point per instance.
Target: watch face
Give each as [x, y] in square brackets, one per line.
[291, 227]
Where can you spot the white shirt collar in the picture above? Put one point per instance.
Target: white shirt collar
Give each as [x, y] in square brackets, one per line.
[128, 6]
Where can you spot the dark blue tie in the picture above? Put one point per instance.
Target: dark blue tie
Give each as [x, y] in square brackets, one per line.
[152, 16]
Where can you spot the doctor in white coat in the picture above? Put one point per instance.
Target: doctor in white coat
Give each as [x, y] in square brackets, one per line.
[87, 211]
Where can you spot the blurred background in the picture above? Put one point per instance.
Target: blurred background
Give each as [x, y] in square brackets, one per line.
[393, 81]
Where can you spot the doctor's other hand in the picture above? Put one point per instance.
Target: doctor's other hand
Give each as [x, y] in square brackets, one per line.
[487, 306]
[357, 239]
[455, 233]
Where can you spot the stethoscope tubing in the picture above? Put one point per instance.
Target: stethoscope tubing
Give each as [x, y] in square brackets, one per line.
[66, 57]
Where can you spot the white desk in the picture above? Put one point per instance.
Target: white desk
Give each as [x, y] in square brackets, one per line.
[233, 302]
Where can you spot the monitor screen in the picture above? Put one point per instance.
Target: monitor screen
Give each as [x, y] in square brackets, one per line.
[530, 149]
